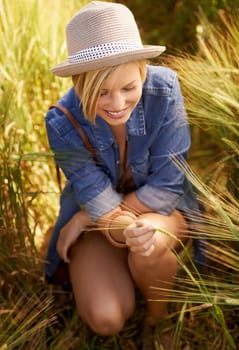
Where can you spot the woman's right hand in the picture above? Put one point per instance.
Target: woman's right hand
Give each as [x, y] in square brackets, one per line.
[140, 237]
[71, 232]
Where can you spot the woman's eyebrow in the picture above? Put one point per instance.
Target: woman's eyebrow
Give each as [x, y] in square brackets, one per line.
[132, 82]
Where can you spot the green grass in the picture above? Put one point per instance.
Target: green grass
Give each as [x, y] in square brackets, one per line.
[34, 315]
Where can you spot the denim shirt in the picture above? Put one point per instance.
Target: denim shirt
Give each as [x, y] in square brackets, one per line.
[157, 131]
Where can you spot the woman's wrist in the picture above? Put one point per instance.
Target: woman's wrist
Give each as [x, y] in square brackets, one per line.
[118, 221]
[83, 220]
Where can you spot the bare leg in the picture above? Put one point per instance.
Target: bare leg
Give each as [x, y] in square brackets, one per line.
[102, 284]
[159, 269]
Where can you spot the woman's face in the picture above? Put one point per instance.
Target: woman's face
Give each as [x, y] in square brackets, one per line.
[119, 94]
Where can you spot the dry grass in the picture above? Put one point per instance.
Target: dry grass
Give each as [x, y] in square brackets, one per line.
[33, 315]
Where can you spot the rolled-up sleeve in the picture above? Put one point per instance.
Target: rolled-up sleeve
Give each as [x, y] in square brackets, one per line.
[160, 201]
[91, 186]
[164, 185]
[103, 202]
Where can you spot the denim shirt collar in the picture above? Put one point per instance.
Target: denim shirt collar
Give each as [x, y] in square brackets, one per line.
[135, 127]
[136, 122]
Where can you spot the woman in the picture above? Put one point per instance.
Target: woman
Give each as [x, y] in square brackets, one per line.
[124, 207]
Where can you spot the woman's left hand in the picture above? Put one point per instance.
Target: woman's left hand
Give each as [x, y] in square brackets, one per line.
[140, 237]
[71, 232]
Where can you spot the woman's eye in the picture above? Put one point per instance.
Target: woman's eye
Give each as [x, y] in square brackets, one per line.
[129, 88]
[103, 93]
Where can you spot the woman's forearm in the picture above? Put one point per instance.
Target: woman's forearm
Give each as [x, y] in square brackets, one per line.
[133, 204]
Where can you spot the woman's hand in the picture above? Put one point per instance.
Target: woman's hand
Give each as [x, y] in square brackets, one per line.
[140, 237]
[71, 232]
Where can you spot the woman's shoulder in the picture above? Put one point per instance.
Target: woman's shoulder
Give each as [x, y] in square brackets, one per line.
[159, 77]
[56, 117]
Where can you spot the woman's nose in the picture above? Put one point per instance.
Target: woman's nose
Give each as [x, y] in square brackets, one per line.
[117, 101]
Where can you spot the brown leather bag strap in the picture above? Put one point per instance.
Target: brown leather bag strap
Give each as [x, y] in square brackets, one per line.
[78, 127]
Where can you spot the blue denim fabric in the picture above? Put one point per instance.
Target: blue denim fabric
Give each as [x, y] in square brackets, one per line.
[157, 131]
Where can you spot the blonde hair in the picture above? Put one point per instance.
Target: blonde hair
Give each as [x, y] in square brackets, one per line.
[87, 87]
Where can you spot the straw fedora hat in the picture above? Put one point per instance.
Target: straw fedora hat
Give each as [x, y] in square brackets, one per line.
[102, 34]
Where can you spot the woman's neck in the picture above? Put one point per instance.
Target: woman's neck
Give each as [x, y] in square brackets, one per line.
[119, 132]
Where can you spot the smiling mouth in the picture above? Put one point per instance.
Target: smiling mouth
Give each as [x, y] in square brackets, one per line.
[117, 114]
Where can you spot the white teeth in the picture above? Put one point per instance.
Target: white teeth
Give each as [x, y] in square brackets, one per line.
[118, 114]
[115, 113]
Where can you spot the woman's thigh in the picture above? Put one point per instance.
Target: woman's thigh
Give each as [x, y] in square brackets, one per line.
[102, 284]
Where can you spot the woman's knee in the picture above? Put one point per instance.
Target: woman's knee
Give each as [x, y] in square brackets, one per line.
[106, 319]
